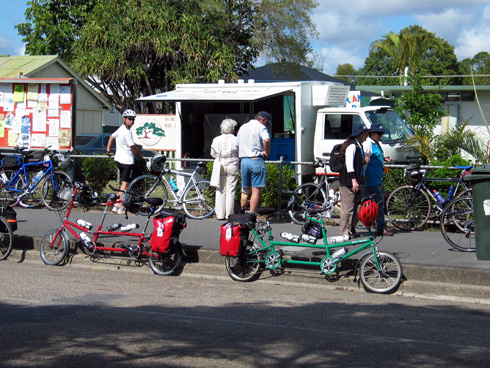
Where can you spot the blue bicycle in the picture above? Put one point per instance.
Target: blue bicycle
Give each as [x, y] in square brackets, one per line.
[22, 176]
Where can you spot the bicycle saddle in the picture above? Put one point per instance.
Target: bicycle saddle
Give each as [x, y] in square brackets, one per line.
[266, 210]
[154, 202]
[315, 209]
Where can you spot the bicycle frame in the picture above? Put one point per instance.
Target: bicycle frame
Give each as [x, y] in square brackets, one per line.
[21, 174]
[421, 185]
[191, 182]
[328, 264]
[72, 227]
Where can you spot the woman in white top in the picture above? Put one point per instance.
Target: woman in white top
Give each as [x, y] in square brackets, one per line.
[224, 146]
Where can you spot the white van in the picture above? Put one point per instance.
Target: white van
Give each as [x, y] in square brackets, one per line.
[334, 125]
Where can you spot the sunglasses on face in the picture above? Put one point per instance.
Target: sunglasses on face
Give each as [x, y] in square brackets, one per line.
[132, 119]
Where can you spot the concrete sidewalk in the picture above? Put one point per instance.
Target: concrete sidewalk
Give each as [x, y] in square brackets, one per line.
[425, 255]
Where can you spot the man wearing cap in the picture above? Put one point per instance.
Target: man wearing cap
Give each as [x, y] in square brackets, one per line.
[254, 145]
[351, 180]
[374, 174]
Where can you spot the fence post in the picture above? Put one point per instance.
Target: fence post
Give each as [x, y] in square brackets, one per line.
[279, 194]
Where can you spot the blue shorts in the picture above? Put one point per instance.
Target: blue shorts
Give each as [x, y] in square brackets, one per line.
[253, 172]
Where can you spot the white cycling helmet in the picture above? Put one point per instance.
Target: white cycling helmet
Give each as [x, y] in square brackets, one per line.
[128, 113]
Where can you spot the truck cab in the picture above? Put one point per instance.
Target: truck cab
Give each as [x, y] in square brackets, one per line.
[334, 126]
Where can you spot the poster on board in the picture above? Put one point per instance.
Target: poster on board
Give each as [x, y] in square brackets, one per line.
[36, 113]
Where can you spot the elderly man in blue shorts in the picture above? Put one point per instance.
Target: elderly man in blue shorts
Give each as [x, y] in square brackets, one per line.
[254, 145]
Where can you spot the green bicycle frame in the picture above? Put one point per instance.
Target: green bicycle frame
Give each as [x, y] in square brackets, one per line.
[328, 264]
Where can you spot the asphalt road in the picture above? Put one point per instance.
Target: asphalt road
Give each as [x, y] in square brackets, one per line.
[422, 247]
[93, 316]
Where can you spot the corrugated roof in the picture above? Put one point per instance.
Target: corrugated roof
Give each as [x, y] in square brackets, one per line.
[12, 66]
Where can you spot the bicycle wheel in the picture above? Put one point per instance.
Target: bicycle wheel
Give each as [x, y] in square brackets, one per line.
[407, 208]
[165, 264]
[147, 186]
[6, 196]
[383, 279]
[54, 247]
[458, 224]
[32, 198]
[199, 200]
[50, 196]
[304, 196]
[465, 193]
[247, 265]
[6, 238]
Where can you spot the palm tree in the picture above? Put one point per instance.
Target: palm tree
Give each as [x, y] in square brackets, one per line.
[407, 47]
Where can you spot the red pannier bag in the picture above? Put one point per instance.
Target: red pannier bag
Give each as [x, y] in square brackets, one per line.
[234, 234]
[167, 228]
[232, 238]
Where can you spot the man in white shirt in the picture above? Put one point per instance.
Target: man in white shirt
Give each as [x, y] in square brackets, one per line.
[254, 145]
[126, 150]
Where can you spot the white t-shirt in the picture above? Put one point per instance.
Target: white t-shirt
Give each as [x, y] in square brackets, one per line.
[124, 140]
[250, 139]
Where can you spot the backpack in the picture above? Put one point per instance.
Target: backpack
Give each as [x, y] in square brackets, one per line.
[337, 161]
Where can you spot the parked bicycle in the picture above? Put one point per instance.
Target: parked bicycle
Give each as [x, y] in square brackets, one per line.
[457, 224]
[162, 248]
[379, 271]
[33, 177]
[6, 234]
[409, 207]
[196, 198]
[319, 195]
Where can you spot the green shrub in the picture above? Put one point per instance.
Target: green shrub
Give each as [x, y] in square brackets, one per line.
[445, 172]
[97, 172]
[269, 194]
[394, 177]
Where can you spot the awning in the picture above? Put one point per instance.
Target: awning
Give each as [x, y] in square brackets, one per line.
[217, 93]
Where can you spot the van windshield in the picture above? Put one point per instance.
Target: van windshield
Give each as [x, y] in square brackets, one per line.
[396, 129]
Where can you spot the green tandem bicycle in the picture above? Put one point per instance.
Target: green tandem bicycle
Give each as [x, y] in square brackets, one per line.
[379, 271]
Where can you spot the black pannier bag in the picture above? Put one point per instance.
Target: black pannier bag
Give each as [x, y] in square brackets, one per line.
[11, 217]
[11, 162]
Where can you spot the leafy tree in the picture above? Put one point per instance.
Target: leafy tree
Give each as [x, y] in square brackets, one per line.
[346, 69]
[130, 48]
[479, 64]
[53, 26]
[420, 109]
[414, 48]
[286, 30]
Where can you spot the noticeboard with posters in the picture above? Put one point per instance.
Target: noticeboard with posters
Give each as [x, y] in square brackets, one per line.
[37, 113]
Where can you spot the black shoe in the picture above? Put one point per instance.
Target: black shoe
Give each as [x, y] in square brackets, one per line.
[241, 211]
[354, 234]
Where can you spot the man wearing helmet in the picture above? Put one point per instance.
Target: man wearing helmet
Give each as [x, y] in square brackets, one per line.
[126, 150]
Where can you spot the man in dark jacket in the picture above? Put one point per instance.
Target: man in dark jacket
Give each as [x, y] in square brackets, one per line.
[352, 180]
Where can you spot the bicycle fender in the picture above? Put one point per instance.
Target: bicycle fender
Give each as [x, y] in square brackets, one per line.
[358, 263]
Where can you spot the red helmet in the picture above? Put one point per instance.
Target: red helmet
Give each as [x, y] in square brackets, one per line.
[368, 213]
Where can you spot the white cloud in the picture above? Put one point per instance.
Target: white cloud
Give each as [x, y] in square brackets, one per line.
[348, 28]
[332, 57]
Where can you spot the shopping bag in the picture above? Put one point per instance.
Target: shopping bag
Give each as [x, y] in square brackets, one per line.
[215, 175]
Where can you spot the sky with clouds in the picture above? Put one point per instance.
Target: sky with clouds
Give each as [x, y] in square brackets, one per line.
[347, 28]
